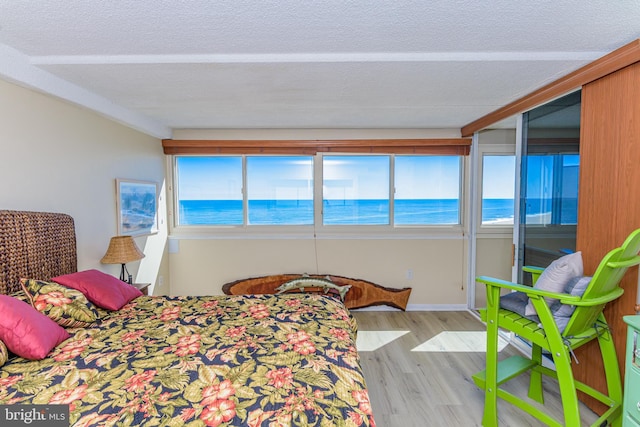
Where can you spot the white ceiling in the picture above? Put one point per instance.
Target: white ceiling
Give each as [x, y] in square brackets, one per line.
[158, 65]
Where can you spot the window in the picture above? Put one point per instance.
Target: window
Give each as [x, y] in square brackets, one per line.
[427, 190]
[268, 190]
[209, 190]
[355, 190]
[280, 190]
[498, 189]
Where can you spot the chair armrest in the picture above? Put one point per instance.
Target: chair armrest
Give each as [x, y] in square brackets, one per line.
[625, 263]
[536, 293]
[532, 269]
[535, 272]
[531, 292]
[608, 297]
[539, 293]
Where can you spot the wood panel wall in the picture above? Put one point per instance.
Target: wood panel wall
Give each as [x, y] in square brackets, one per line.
[609, 198]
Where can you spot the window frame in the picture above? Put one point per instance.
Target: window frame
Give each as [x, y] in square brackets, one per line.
[493, 150]
[317, 229]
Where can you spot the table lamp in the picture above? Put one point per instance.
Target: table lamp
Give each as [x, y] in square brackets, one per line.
[122, 249]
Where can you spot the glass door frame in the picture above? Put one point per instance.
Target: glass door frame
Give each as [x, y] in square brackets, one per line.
[517, 223]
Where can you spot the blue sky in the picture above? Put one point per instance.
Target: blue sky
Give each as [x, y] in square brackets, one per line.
[210, 178]
[498, 177]
[350, 177]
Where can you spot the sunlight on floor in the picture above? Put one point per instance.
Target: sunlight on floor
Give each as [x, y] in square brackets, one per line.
[373, 340]
[459, 341]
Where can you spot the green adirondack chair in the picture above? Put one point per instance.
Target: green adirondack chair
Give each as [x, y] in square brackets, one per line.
[587, 323]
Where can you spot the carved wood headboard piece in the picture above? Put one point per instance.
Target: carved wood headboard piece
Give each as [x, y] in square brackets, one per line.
[35, 245]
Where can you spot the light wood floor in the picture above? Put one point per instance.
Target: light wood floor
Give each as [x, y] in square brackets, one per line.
[434, 388]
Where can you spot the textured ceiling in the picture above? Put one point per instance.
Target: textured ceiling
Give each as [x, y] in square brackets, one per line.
[159, 65]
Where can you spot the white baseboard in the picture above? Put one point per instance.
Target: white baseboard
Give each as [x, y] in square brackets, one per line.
[417, 307]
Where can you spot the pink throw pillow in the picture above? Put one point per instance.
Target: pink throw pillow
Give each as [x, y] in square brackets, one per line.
[27, 332]
[100, 288]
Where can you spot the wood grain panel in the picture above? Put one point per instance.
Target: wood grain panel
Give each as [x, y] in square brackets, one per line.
[609, 199]
[362, 293]
[455, 146]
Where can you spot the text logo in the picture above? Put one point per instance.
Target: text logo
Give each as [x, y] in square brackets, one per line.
[34, 415]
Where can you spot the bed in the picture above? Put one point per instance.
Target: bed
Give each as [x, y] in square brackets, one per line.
[242, 360]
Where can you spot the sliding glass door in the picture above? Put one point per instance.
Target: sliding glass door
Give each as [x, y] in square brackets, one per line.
[549, 182]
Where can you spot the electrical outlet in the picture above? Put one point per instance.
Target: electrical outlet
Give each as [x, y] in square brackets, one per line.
[409, 274]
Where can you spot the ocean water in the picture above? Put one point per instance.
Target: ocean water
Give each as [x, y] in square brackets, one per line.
[363, 212]
[567, 207]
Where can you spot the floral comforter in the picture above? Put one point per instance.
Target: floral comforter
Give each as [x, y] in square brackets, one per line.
[259, 360]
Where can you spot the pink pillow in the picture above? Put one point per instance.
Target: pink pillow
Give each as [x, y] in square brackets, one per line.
[27, 332]
[100, 288]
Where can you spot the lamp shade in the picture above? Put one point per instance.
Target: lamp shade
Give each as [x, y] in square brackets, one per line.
[122, 249]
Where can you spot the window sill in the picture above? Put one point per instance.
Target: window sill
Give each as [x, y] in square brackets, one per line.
[329, 232]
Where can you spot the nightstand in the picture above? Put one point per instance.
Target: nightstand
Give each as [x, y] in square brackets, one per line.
[143, 287]
[631, 406]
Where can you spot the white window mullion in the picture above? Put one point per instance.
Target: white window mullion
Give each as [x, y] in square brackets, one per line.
[245, 198]
[318, 210]
[392, 189]
[472, 217]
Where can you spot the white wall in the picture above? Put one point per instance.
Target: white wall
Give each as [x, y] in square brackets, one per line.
[58, 157]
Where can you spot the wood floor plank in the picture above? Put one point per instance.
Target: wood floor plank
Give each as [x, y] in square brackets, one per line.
[423, 388]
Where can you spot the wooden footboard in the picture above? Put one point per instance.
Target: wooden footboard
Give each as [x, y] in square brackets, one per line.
[362, 293]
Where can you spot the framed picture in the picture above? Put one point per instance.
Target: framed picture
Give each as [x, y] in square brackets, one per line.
[137, 206]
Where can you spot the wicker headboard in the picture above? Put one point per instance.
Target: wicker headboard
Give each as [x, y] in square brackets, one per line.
[35, 245]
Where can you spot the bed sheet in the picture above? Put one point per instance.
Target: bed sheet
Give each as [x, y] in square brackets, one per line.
[253, 360]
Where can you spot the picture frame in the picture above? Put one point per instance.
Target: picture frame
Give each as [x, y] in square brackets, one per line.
[137, 207]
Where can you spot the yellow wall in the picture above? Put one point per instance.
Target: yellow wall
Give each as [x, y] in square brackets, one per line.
[62, 158]
[202, 266]
[493, 259]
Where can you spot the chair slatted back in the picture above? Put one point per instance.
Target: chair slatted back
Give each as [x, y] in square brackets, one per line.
[606, 279]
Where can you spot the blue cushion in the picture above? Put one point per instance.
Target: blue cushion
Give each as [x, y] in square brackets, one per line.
[517, 302]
